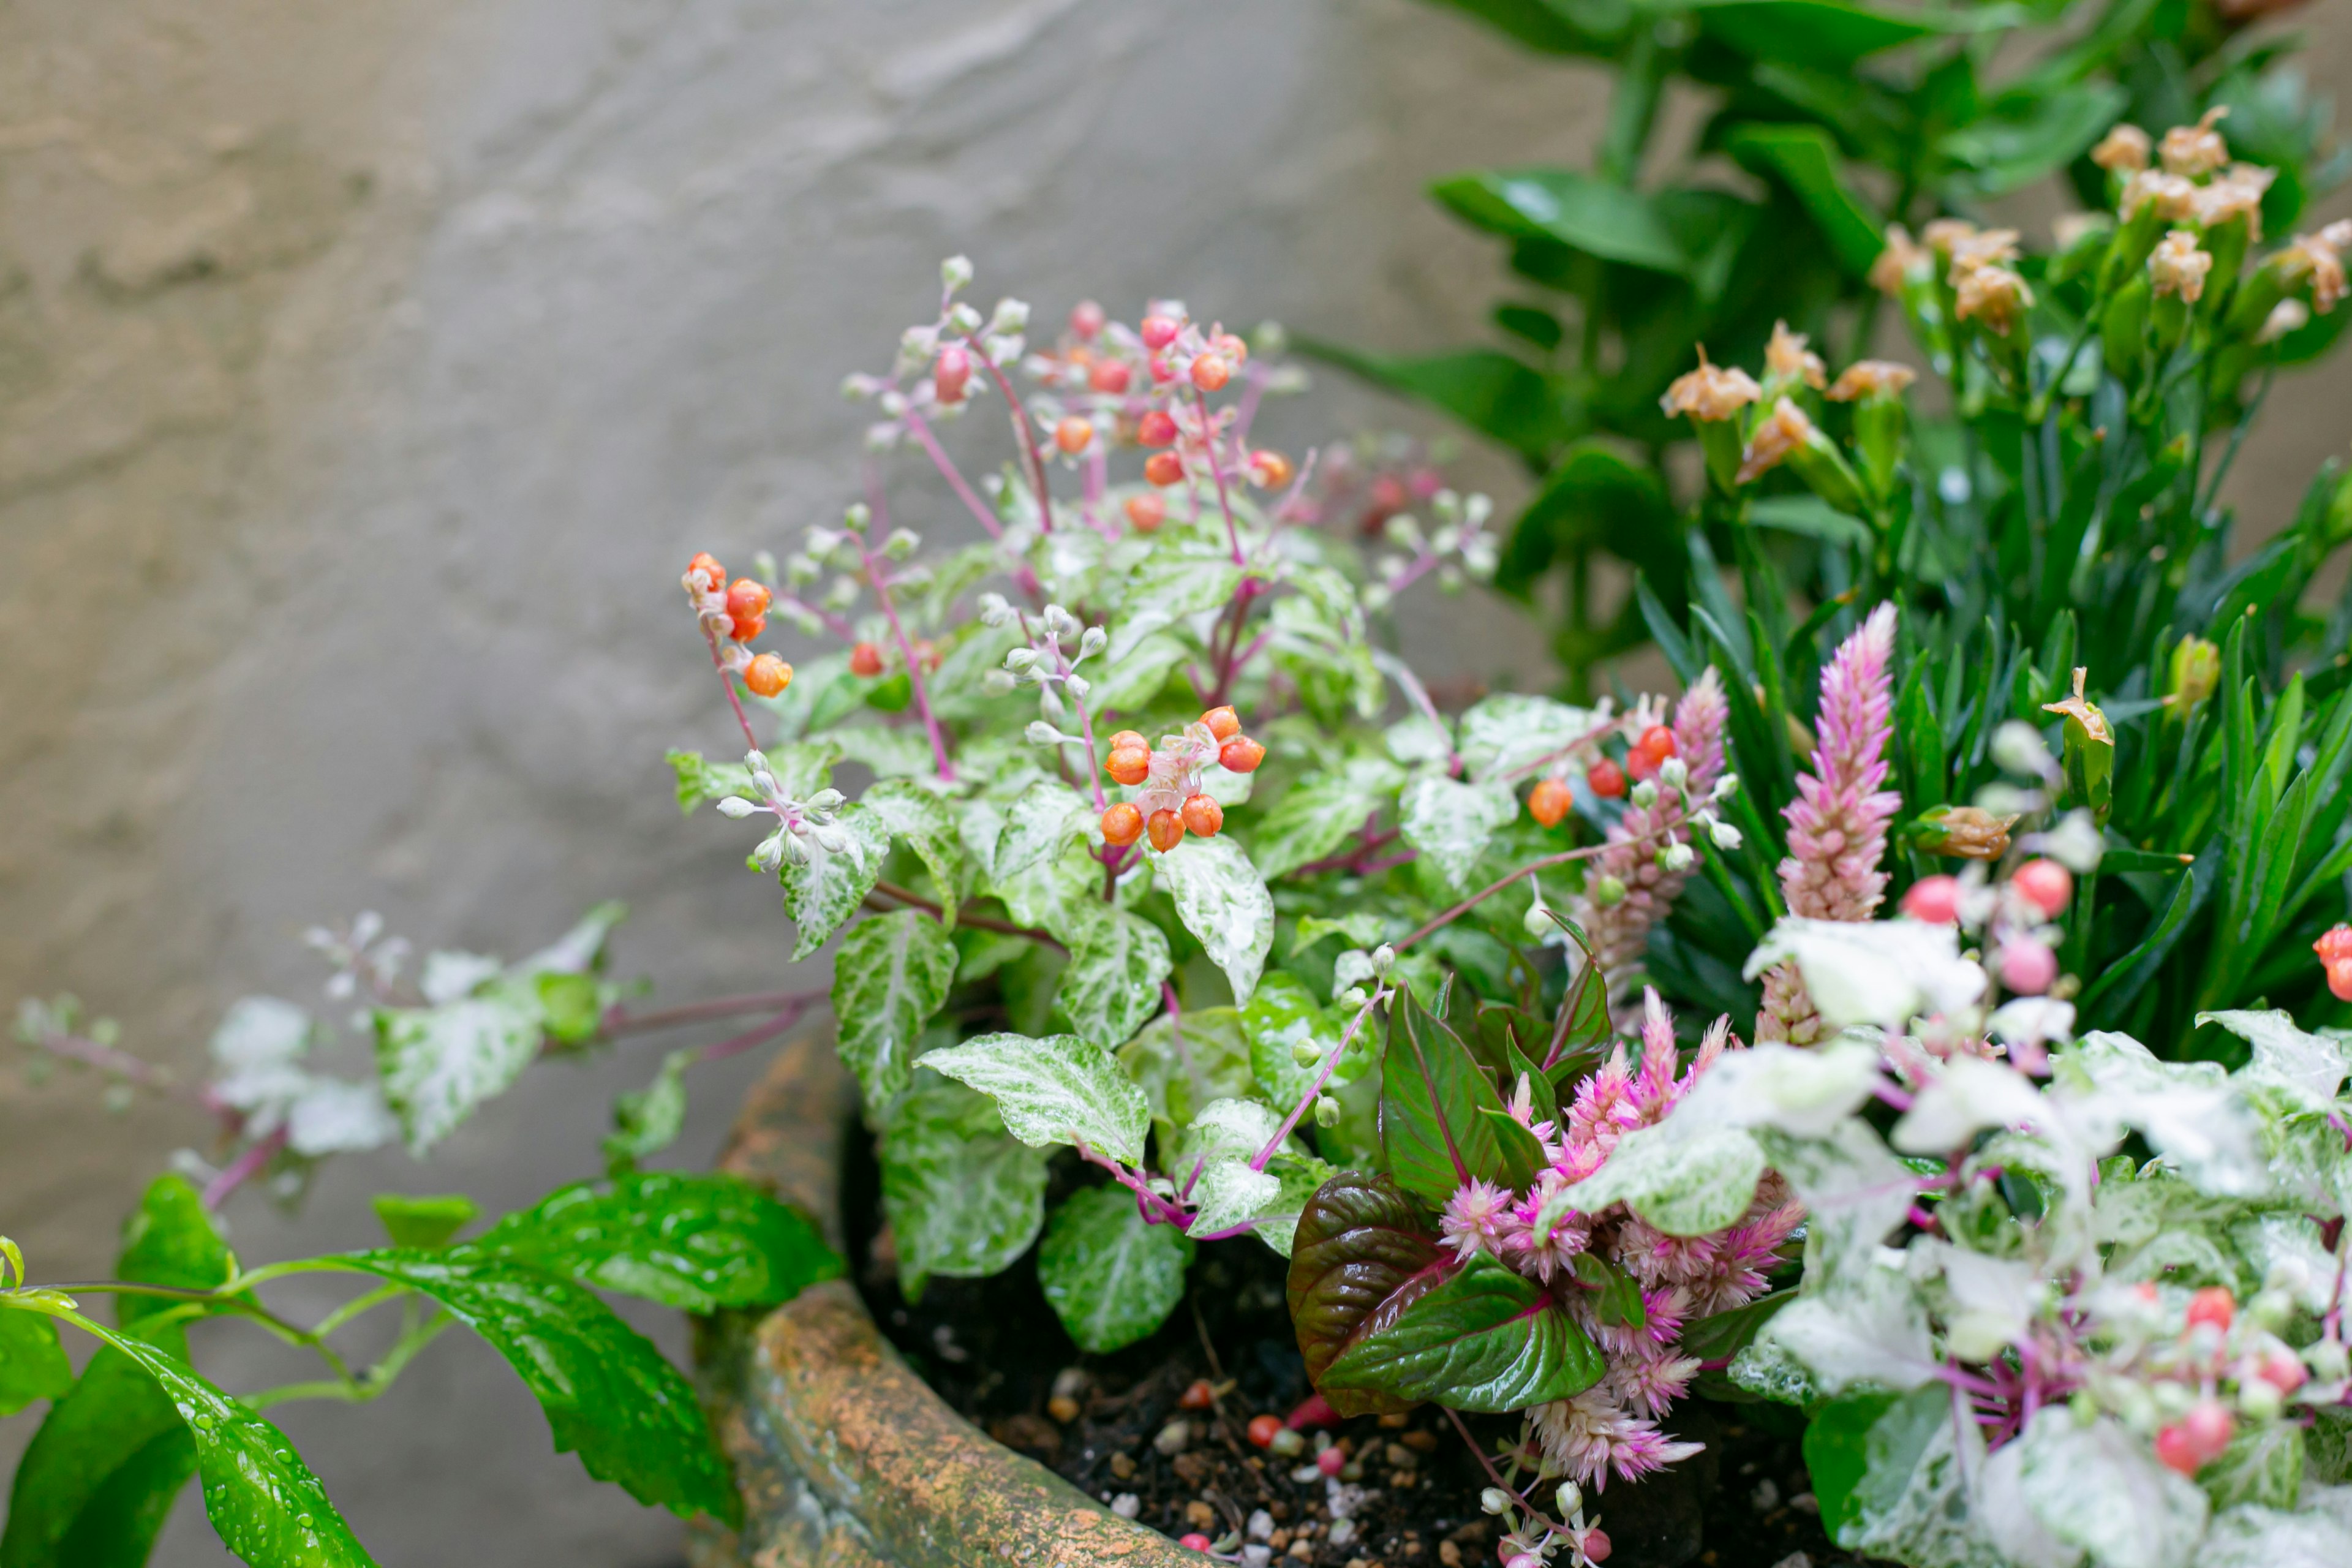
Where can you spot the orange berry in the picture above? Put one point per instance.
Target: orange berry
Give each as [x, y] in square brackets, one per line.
[1126, 738]
[768, 676]
[1109, 375]
[951, 372]
[749, 627]
[1203, 815]
[2340, 979]
[1159, 331]
[1656, 744]
[1548, 802]
[1211, 371]
[1197, 1394]
[1156, 428]
[1231, 347]
[1146, 512]
[1222, 723]
[2213, 1305]
[866, 660]
[1086, 317]
[1163, 468]
[2335, 944]
[1271, 470]
[748, 599]
[1240, 754]
[1128, 764]
[1262, 1430]
[1167, 830]
[1073, 434]
[1607, 779]
[705, 573]
[1122, 825]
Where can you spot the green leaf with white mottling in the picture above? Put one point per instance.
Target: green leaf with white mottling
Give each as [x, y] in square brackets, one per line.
[1057, 1090]
[822, 894]
[1137, 677]
[1227, 1194]
[891, 975]
[1362, 929]
[1112, 985]
[1319, 813]
[888, 753]
[1451, 823]
[438, 1064]
[963, 1198]
[1044, 817]
[1183, 1063]
[804, 767]
[1683, 1185]
[700, 780]
[1061, 896]
[922, 822]
[645, 1121]
[1222, 901]
[1285, 1015]
[1110, 1278]
[1183, 580]
[1510, 730]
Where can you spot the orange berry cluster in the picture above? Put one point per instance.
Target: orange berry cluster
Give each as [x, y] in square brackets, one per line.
[745, 610]
[1199, 814]
[1549, 800]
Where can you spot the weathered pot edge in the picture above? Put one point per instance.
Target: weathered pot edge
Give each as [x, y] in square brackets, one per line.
[845, 1457]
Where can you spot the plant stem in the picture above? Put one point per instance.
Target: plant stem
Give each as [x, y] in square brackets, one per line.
[243, 1168]
[618, 1023]
[726, 684]
[1544, 863]
[880, 578]
[978, 922]
[1035, 465]
[1217, 472]
[1330, 1065]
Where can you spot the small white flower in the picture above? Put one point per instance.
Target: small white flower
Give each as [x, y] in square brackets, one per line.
[956, 272]
[1725, 836]
[735, 806]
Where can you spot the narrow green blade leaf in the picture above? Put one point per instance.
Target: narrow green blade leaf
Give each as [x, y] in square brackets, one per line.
[607, 1393]
[1110, 1278]
[97, 1479]
[1492, 393]
[1803, 158]
[1568, 208]
[697, 1243]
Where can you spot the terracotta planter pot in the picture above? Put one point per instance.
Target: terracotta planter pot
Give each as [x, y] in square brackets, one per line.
[844, 1457]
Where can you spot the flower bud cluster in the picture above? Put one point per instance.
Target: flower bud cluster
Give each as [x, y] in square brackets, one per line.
[1746, 429]
[800, 823]
[1459, 549]
[934, 376]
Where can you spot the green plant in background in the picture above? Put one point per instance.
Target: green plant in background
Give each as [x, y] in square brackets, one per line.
[1823, 122]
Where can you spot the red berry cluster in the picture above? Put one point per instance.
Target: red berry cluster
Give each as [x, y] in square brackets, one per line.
[1130, 763]
[2334, 950]
[1548, 802]
[740, 610]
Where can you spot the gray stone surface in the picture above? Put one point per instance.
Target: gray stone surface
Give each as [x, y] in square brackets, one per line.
[366, 370]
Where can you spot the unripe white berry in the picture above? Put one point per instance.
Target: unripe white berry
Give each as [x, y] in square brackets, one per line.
[1327, 1112]
[735, 806]
[1495, 1499]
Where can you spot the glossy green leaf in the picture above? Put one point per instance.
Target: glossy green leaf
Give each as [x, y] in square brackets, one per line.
[1497, 396]
[1433, 1095]
[1359, 1239]
[97, 1481]
[423, 1222]
[963, 1198]
[1039, 821]
[1837, 1453]
[1568, 208]
[1222, 901]
[1803, 158]
[1112, 985]
[1829, 34]
[263, 1501]
[1555, 27]
[1594, 493]
[1057, 1090]
[822, 895]
[606, 1392]
[1110, 1277]
[891, 975]
[922, 822]
[1482, 1337]
[33, 1365]
[170, 1240]
[690, 1241]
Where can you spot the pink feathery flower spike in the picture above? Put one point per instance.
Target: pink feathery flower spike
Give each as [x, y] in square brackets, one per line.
[1837, 824]
[1620, 932]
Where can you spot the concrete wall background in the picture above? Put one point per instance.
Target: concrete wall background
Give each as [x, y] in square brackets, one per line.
[367, 370]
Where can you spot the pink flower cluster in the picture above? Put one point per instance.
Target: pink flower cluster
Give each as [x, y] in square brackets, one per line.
[1621, 930]
[1837, 824]
[1611, 1427]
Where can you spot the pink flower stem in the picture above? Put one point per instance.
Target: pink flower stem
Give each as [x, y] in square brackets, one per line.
[1252, 393]
[132, 1069]
[1036, 466]
[760, 1033]
[1543, 863]
[1155, 1209]
[1418, 696]
[617, 1022]
[1217, 471]
[880, 579]
[243, 1168]
[1330, 1065]
[726, 684]
[1892, 1096]
[1022, 574]
[1496, 1476]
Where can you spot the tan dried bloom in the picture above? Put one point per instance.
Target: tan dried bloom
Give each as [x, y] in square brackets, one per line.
[2123, 150]
[1871, 378]
[1968, 832]
[1894, 266]
[1993, 295]
[2237, 193]
[2174, 198]
[2286, 316]
[1944, 233]
[1992, 247]
[2320, 257]
[1710, 392]
[1786, 357]
[1776, 435]
[2177, 266]
[2194, 150]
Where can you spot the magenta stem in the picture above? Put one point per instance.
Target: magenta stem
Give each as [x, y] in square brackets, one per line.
[880, 578]
[1330, 1065]
[726, 684]
[243, 1168]
[1217, 472]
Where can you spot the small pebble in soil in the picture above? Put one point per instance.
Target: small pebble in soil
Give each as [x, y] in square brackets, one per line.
[1794, 1560]
[1198, 1395]
[1765, 1496]
[1806, 1502]
[1126, 1505]
[1175, 1437]
[1123, 1467]
[1261, 1526]
[1062, 1408]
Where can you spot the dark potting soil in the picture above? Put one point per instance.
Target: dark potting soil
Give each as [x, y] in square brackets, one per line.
[995, 1351]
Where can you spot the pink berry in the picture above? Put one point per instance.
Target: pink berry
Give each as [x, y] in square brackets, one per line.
[2213, 1305]
[2176, 1451]
[951, 373]
[1934, 900]
[1086, 318]
[2044, 884]
[1162, 371]
[2283, 1369]
[1109, 376]
[2340, 979]
[2210, 1428]
[2028, 967]
[1159, 331]
[1193, 1541]
[1330, 1461]
[1595, 1545]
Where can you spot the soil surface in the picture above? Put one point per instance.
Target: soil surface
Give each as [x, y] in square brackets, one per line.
[1117, 1426]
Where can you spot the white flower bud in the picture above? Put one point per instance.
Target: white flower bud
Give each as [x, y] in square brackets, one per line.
[765, 782]
[1384, 958]
[1673, 773]
[1092, 642]
[1495, 1499]
[1077, 686]
[2017, 747]
[770, 852]
[902, 542]
[1608, 891]
[1012, 316]
[1306, 1053]
[1570, 1498]
[956, 272]
[831, 840]
[756, 760]
[1725, 787]
[826, 800]
[1061, 623]
[1004, 350]
[1041, 733]
[994, 611]
[857, 515]
[1677, 858]
[1020, 659]
[1725, 836]
[1327, 1112]
[999, 682]
[1644, 795]
[735, 806]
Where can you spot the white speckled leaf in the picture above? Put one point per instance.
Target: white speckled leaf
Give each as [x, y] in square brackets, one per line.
[1112, 983]
[822, 894]
[1222, 901]
[1045, 813]
[1451, 822]
[1110, 1278]
[891, 975]
[963, 1198]
[437, 1063]
[1058, 1089]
